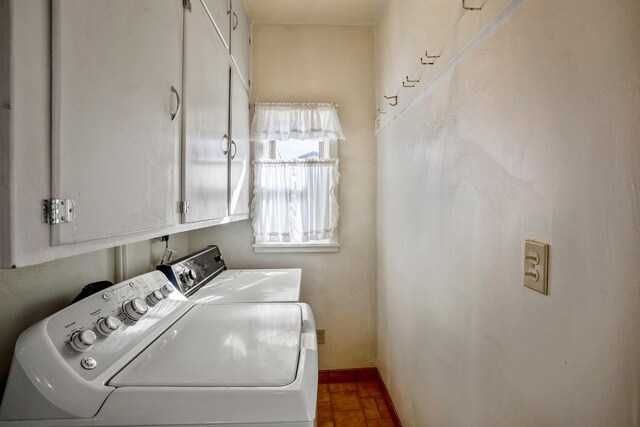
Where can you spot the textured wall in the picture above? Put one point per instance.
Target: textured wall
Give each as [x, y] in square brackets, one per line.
[532, 133]
[325, 64]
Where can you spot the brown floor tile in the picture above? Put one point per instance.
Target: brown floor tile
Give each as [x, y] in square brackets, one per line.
[370, 408]
[382, 407]
[337, 387]
[352, 398]
[354, 418]
[324, 397]
[345, 400]
[382, 422]
[369, 389]
[324, 412]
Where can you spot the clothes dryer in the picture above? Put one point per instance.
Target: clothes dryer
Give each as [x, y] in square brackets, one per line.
[204, 278]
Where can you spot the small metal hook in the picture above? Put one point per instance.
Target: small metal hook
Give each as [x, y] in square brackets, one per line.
[432, 57]
[395, 99]
[381, 112]
[465, 7]
[404, 84]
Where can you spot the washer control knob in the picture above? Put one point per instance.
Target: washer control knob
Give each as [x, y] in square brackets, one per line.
[192, 274]
[82, 340]
[134, 309]
[108, 325]
[154, 298]
[166, 289]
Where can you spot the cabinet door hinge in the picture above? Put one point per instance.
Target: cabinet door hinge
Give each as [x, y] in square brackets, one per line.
[186, 4]
[56, 211]
[184, 207]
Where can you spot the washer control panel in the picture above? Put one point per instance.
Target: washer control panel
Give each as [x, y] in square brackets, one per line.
[93, 333]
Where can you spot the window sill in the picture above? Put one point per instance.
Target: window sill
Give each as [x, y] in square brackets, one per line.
[295, 247]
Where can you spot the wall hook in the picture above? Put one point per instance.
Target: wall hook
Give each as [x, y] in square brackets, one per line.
[381, 112]
[406, 85]
[465, 7]
[395, 100]
[431, 57]
[412, 81]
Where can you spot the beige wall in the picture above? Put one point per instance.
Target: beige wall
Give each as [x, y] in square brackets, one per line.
[324, 64]
[531, 133]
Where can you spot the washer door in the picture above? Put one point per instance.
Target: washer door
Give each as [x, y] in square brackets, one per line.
[238, 345]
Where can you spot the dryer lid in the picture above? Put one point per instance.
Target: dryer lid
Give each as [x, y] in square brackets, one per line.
[257, 285]
[239, 345]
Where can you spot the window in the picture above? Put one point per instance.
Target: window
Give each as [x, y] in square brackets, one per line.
[295, 204]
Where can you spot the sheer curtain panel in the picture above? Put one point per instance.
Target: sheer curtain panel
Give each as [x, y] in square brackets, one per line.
[295, 194]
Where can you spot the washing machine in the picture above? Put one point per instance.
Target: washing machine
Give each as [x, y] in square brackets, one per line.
[141, 353]
[205, 279]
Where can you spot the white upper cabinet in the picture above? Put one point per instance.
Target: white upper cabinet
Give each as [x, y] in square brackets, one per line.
[206, 118]
[241, 40]
[125, 108]
[116, 82]
[240, 169]
[220, 12]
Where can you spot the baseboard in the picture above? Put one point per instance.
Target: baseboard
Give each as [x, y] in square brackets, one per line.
[332, 376]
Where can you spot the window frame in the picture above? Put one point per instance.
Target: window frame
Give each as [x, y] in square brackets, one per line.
[265, 149]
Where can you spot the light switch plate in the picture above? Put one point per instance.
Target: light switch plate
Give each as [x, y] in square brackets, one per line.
[536, 263]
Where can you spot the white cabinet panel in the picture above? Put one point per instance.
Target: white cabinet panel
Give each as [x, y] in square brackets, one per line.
[240, 166]
[241, 40]
[114, 142]
[220, 12]
[206, 117]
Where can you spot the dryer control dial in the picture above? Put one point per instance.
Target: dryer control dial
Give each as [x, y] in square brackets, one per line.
[166, 289]
[82, 340]
[135, 308]
[154, 298]
[108, 325]
[191, 274]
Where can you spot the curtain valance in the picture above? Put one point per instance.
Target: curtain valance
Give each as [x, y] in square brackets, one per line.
[282, 121]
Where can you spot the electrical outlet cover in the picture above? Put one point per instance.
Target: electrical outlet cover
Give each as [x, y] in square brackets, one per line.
[536, 262]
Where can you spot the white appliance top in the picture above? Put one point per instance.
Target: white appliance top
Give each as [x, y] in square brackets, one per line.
[236, 345]
[255, 285]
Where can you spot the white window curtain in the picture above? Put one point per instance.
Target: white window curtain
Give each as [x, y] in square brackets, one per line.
[284, 121]
[295, 199]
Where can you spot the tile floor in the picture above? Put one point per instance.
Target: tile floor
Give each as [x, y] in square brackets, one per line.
[352, 404]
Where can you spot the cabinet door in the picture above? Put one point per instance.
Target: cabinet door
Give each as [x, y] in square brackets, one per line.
[239, 161]
[241, 40]
[115, 145]
[220, 12]
[206, 118]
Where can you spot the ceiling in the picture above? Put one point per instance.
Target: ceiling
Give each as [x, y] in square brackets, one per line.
[328, 12]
